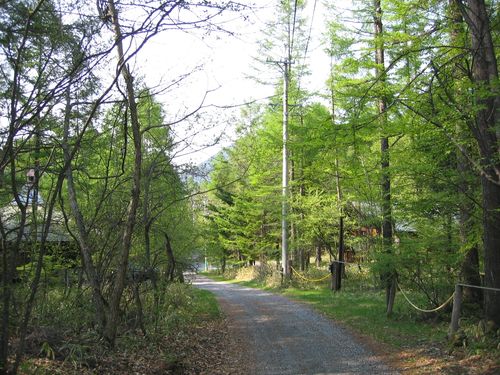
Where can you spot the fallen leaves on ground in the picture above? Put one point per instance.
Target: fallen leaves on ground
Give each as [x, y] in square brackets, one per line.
[435, 359]
[205, 349]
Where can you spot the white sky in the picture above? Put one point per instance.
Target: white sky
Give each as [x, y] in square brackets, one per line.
[226, 62]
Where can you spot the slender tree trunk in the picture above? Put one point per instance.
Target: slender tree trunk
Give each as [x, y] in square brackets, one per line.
[223, 264]
[119, 282]
[6, 296]
[389, 274]
[486, 131]
[147, 223]
[302, 252]
[302, 192]
[138, 304]
[147, 238]
[339, 266]
[318, 255]
[83, 240]
[147, 243]
[86, 254]
[146, 214]
[170, 272]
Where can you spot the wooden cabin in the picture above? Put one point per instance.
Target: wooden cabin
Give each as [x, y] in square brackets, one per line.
[58, 239]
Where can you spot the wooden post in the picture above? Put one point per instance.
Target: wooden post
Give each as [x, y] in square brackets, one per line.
[455, 314]
[392, 296]
[332, 268]
[339, 265]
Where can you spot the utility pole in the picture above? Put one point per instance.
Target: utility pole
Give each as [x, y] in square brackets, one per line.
[285, 66]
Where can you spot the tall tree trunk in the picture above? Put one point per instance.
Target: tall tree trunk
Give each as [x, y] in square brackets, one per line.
[147, 218]
[9, 262]
[339, 266]
[389, 274]
[170, 272]
[486, 131]
[491, 240]
[302, 252]
[138, 304]
[302, 194]
[223, 263]
[318, 256]
[147, 224]
[83, 239]
[119, 282]
[469, 273]
[6, 296]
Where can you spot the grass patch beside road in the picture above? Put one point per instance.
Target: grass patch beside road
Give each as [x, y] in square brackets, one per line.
[365, 312]
[206, 305]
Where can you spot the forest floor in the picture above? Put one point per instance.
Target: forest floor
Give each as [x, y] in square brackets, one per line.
[204, 349]
[191, 338]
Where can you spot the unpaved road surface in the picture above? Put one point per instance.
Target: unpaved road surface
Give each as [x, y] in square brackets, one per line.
[277, 336]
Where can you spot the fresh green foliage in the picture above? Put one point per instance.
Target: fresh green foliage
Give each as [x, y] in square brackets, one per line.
[67, 230]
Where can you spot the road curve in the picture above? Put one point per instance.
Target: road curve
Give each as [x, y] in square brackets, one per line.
[284, 337]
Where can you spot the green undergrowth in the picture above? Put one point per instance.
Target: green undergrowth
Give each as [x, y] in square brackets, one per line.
[59, 343]
[206, 305]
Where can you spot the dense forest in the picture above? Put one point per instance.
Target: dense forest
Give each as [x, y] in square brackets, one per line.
[394, 166]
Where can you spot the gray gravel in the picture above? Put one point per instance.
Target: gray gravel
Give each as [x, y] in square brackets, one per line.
[285, 337]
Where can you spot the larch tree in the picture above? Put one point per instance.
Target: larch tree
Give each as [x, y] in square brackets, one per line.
[485, 127]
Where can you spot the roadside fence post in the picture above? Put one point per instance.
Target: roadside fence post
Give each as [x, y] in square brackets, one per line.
[457, 306]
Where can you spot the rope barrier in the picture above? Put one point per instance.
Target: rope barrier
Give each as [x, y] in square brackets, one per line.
[479, 287]
[350, 263]
[424, 310]
[310, 280]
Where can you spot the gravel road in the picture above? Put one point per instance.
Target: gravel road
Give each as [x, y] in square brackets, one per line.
[278, 336]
